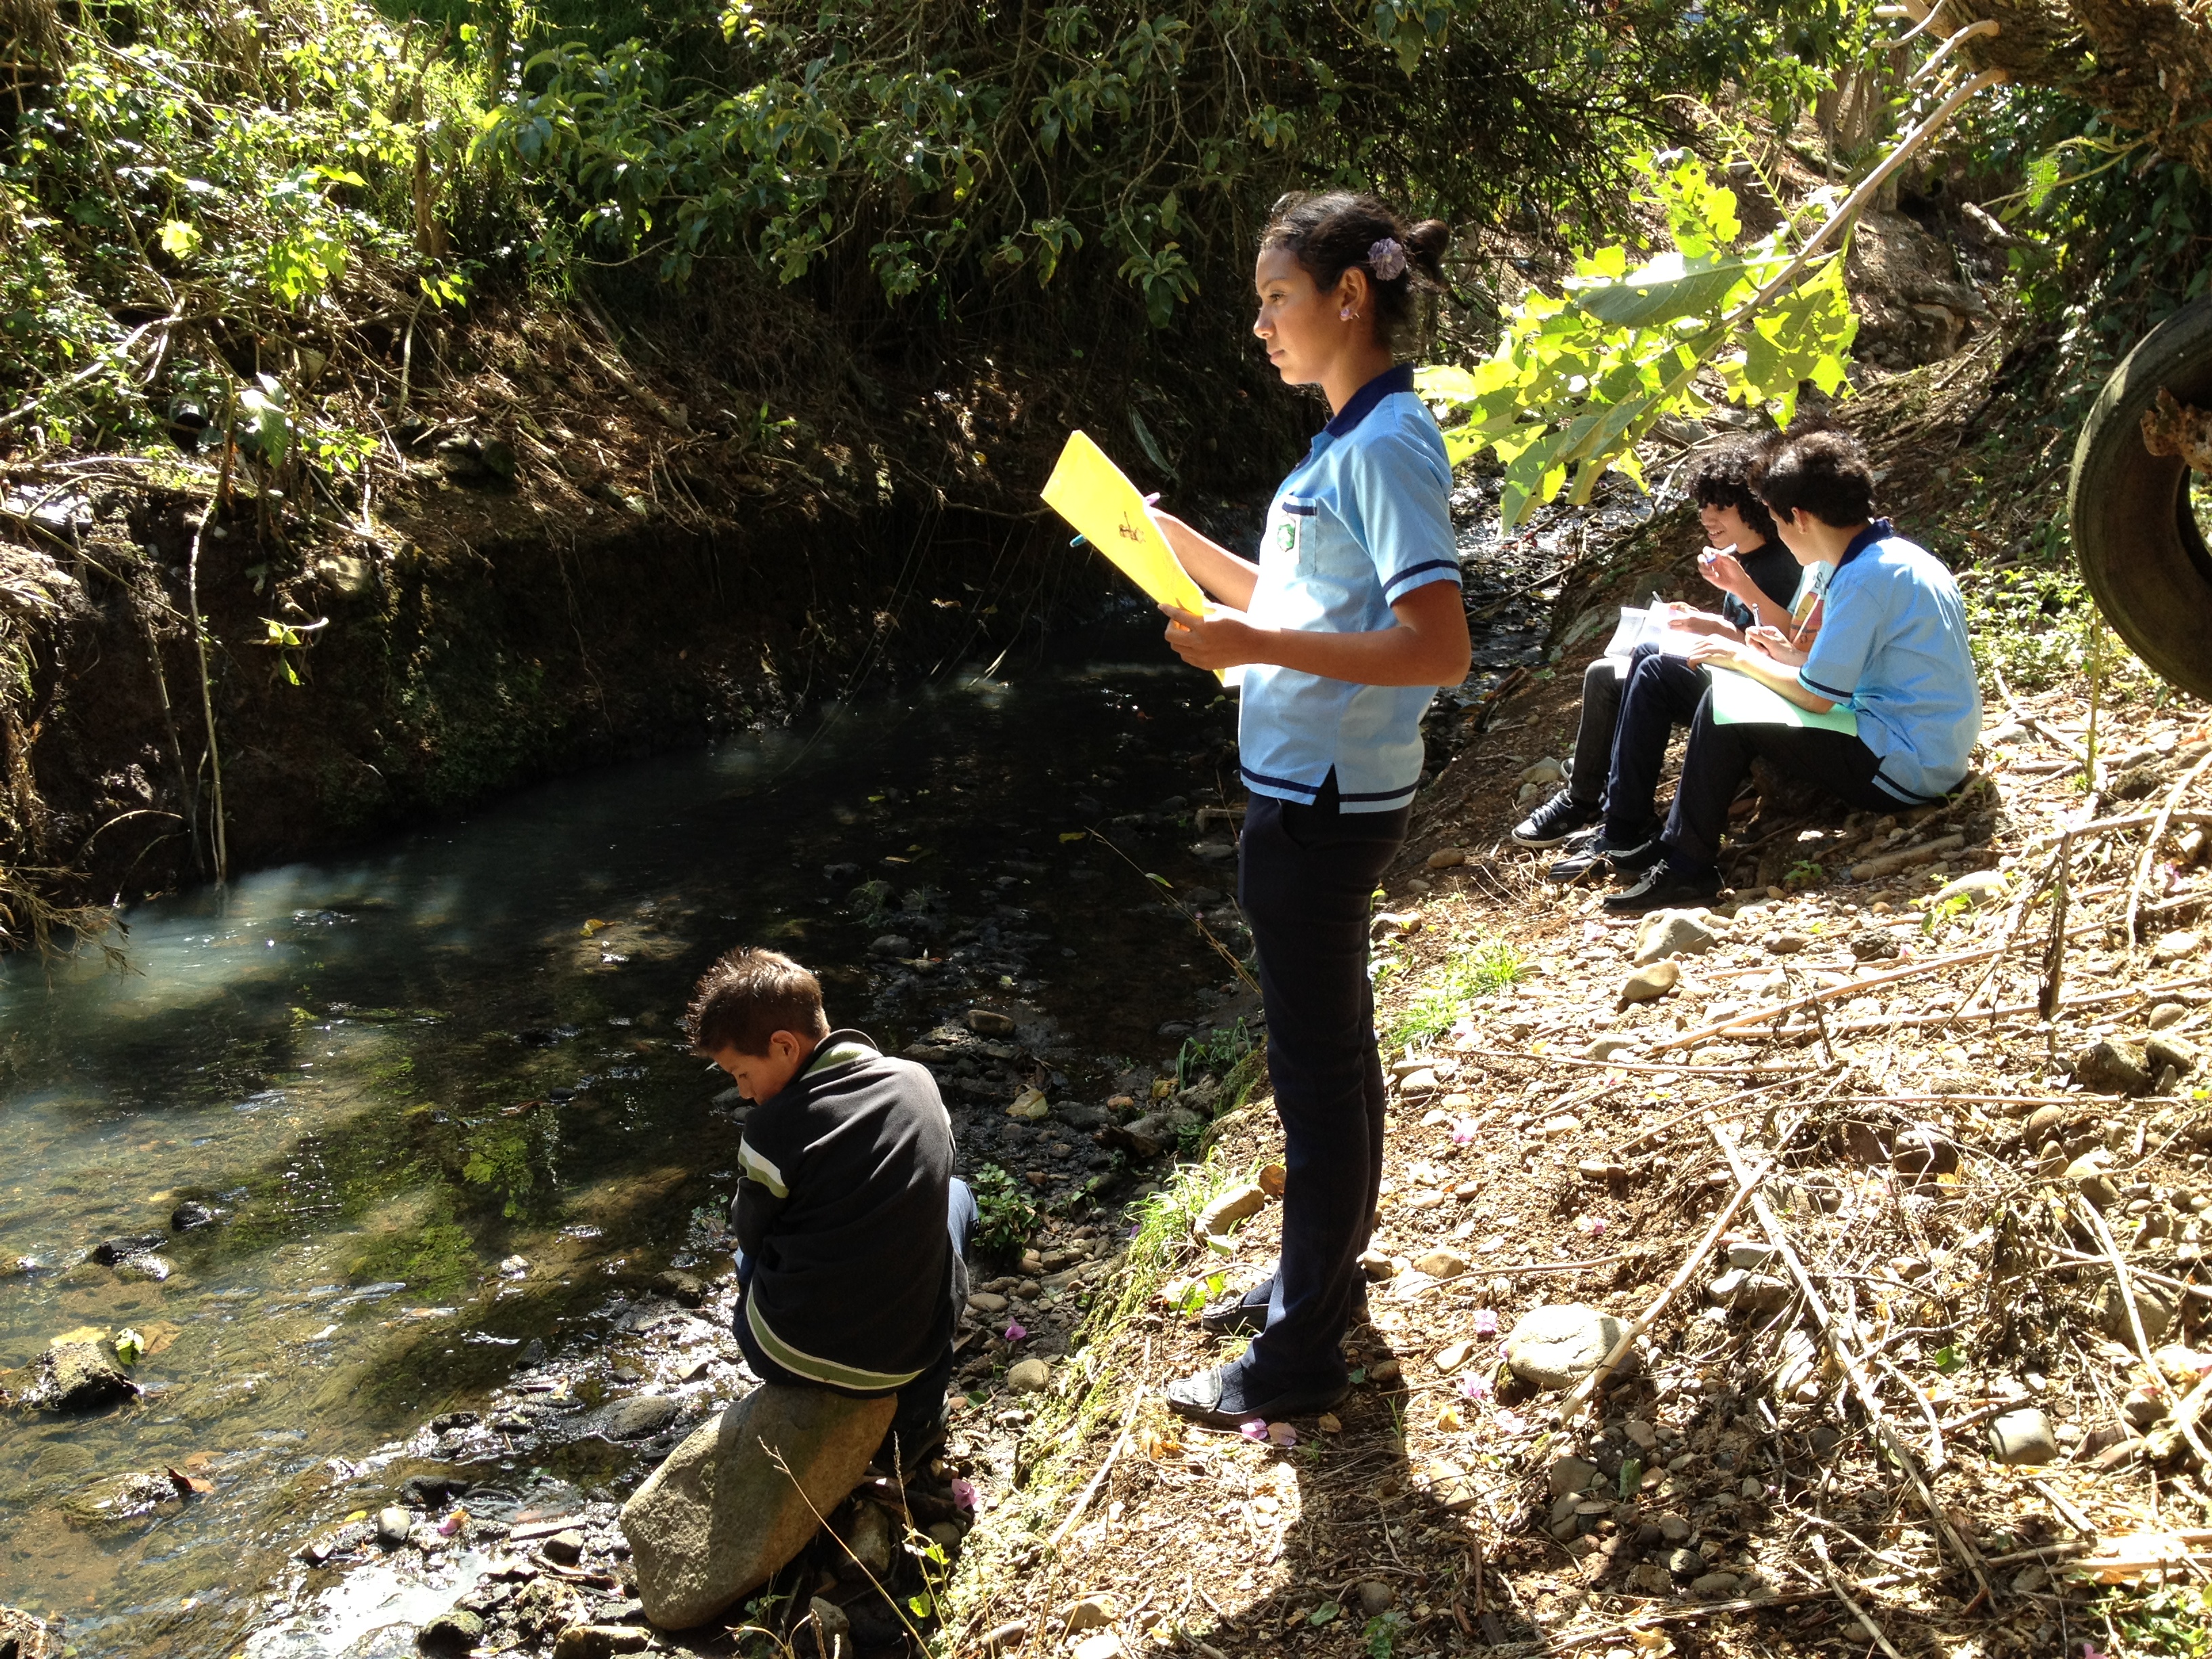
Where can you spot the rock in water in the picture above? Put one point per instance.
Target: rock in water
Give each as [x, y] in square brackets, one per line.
[451, 1634]
[985, 1022]
[109, 1251]
[1556, 1346]
[2023, 1437]
[80, 1376]
[688, 1290]
[189, 1217]
[640, 1415]
[1672, 934]
[27, 1637]
[718, 1516]
[1649, 982]
[1239, 1203]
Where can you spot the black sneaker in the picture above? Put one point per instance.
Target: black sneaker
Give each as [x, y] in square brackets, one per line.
[1555, 821]
[1596, 856]
[1663, 888]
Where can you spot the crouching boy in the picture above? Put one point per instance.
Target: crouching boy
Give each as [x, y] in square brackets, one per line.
[852, 1228]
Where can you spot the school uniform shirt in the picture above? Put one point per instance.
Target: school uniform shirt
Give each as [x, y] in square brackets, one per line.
[1775, 571]
[841, 1214]
[1893, 650]
[1365, 520]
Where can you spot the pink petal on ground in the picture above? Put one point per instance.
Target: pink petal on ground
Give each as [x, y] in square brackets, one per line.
[1485, 1321]
[964, 1495]
[1477, 1387]
[1252, 1431]
[1282, 1434]
[1014, 1332]
[1463, 1132]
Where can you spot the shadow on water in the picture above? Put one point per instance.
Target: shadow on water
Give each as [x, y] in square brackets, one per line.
[395, 1074]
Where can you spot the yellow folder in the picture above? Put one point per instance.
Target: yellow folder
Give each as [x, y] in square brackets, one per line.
[1093, 495]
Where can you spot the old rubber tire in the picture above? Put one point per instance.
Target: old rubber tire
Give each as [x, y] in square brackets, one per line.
[2140, 551]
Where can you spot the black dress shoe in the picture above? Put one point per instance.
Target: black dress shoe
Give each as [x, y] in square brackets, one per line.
[1216, 1398]
[1596, 856]
[1556, 821]
[1664, 887]
[1246, 1315]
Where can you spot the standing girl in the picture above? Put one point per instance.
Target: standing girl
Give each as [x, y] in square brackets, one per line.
[1352, 618]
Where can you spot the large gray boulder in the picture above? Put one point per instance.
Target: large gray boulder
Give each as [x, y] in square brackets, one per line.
[716, 1520]
[79, 1376]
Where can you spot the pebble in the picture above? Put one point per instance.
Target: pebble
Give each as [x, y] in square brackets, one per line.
[1384, 1370]
[1104, 1645]
[1547, 770]
[2172, 947]
[1641, 1433]
[1091, 1613]
[1570, 1477]
[1714, 1585]
[1444, 1263]
[148, 1267]
[1977, 887]
[986, 1023]
[1609, 1048]
[2088, 1174]
[1684, 1564]
[2043, 1123]
[1446, 857]
[451, 1633]
[1674, 1529]
[186, 1216]
[393, 1525]
[1557, 1345]
[1450, 1359]
[1377, 1264]
[1649, 982]
[1785, 945]
[989, 1302]
[2113, 1066]
[685, 1289]
[566, 1547]
[831, 1618]
[891, 944]
[1030, 1376]
[1756, 1257]
[1376, 1598]
[2023, 1437]
[1672, 934]
[640, 1415]
[2166, 1014]
[870, 1539]
[1754, 1293]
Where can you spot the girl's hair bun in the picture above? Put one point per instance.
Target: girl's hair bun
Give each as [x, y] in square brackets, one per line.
[1334, 231]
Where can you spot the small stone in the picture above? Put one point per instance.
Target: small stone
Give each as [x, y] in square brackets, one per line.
[1610, 1047]
[1029, 1106]
[1376, 1598]
[2163, 1051]
[1570, 1477]
[1005, 1639]
[1715, 1585]
[109, 1251]
[190, 1217]
[1750, 1487]
[947, 1534]
[686, 1289]
[985, 1023]
[891, 944]
[2042, 1123]
[1977, 887]
[1451, 1357]
[604, 1641]
[1785, 945]
[451, 1634]
[2172, 947]
[1649, 982]
[2111, 1065]
[1672, 934]
[1444, 1263]
[987, 1302]
[1750, 1291]
[2143, 1406]
[640, 1415]
[566, 1547]
[2154, 1306]
[1674, 1529]
[2166, 1014]
[1104, 1645]
[2088, 1174]
[1385, 1371]
[2028, 1580]
[870, 1538]
[1547, 770]
[1744, 1253]
[1684, 1562]
[1091, 1613]
[1377, 1264]
[393, 1525]
[1640, 1433]
[2023, 1437]
[1445, 857]
[146, 1266]
[79, 1376]
[1651, 1579]
[1558, 1344]
[1219, 1218]
[1030, 1376]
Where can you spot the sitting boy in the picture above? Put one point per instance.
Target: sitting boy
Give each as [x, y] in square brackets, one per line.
[1893, 650]
[852, 1228]
[1758, 581]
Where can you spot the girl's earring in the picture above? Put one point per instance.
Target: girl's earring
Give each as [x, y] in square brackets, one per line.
[1345, 315]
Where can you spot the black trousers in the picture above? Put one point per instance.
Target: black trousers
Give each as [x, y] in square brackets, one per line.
[1719, 759]
[1305, 876]
[1660, 693]
[1601, 693]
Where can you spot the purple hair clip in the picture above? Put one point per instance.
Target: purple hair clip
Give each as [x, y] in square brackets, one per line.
[1387, 259]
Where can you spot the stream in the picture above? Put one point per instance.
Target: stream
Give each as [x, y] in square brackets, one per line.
[436, 1095]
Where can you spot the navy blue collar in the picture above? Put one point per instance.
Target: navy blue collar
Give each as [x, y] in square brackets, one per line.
[1399, 377]
[1877, 530]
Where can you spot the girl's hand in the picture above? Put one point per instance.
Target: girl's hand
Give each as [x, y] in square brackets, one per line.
[1214, 642]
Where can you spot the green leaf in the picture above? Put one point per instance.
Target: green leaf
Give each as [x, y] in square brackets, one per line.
[179, 239]
[1668, 288]
[1323, 1614]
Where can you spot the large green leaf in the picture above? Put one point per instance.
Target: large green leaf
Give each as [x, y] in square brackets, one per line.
[1668, 288]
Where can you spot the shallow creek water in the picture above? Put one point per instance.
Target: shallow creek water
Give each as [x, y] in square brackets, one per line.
[394, 1071]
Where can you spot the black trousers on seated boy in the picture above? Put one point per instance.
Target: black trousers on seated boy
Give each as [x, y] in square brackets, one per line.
[918, 1423]
[1719, 759]
[1662, 693]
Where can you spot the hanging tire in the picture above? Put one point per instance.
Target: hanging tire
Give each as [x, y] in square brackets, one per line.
[2135, 530]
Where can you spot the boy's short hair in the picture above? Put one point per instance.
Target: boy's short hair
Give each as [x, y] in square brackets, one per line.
[747, 997]
[1823, 473]
[1722, 477]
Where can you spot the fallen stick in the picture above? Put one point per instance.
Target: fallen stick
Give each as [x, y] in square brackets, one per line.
[1852, 1606]
[1090, 1490]
[1686, 1615]
[1861, 1384]
[1642, 1065]
[2150, 849]
[1888, 864]
[1579, 1402]
[1953, 1016]
[2125, 821]
[1926, 1410]
[2083, 1258]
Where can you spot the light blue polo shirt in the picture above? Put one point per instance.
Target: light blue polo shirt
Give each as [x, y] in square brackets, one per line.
[1365, 520]
[1892, 648]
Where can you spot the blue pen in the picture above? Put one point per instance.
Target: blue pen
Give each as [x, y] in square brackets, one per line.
[1079, 541]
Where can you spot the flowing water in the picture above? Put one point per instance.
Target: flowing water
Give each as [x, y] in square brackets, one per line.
[393, 1072]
